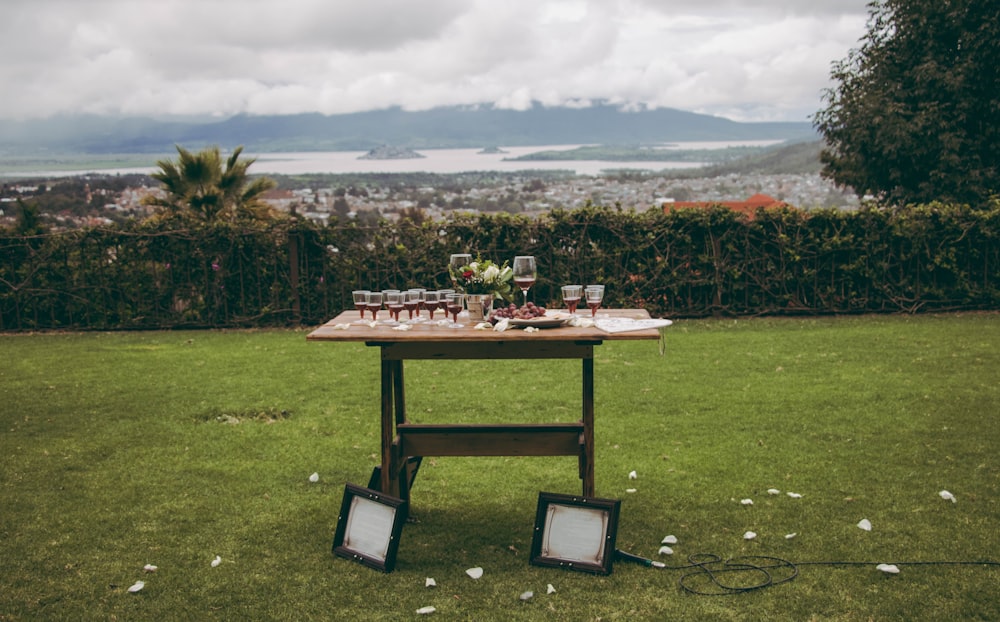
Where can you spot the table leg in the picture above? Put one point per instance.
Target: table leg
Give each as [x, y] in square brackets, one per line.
[587, 466]
[390, 479]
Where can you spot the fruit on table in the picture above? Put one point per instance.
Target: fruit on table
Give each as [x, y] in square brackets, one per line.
[529, 311]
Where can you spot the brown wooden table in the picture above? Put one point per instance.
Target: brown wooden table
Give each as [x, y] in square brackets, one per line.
[402, 440]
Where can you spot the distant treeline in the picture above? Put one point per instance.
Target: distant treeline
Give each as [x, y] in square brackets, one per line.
[684, 263]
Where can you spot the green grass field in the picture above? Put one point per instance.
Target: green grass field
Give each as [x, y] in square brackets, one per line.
[171, 448]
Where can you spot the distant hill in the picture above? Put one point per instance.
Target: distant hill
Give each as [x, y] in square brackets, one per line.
[796, 158]
[450, 127]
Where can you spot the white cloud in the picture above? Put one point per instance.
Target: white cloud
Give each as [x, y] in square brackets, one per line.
[764, 60]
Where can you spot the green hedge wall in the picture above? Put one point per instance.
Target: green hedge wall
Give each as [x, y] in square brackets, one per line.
[683, 263]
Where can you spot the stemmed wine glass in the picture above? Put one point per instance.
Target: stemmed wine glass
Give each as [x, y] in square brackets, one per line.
[374, 303]
[411, 300]
[431, 303]
[455, 264]
[394, 303]
[524, 273]
[571, 295]
[455, 304]
[594, 294]
[361, 303]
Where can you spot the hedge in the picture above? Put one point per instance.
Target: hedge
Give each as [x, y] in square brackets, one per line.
[682, 263]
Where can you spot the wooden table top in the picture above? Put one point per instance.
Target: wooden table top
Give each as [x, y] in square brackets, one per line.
[432, 332]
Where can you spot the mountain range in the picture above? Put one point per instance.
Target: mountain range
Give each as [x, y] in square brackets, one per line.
[446, 127]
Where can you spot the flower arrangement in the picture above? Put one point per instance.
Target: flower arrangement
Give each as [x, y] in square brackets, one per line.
[482, 276]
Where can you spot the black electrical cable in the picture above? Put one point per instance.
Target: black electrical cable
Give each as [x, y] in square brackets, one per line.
[759, 571]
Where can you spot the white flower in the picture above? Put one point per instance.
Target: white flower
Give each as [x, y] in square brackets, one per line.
[475, 573]
[491, 274]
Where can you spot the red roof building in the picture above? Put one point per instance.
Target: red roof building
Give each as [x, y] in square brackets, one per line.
[747, 207]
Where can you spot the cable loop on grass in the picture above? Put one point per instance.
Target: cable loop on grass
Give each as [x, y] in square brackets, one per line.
[758, 570]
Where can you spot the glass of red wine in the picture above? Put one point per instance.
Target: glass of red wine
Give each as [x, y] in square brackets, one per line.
[394, 303]
[524, 273]
[411, 300]
[374, 302]
[431, 300]
[456, 302]
[361, 303]
[571, 295]
[594, 295]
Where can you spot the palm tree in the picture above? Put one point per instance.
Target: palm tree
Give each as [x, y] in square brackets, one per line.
[199, 184]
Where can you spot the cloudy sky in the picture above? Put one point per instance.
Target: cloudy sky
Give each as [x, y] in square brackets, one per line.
[747, 60]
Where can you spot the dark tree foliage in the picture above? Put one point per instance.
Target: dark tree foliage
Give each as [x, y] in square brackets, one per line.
[915, 115]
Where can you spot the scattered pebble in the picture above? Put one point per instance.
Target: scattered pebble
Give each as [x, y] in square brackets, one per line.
[314, 478]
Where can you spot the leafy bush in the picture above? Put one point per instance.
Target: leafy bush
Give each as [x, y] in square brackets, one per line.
[681, 263]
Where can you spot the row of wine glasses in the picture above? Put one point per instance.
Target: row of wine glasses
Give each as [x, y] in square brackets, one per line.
[413, 301]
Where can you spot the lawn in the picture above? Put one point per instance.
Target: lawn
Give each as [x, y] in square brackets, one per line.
[119, 450]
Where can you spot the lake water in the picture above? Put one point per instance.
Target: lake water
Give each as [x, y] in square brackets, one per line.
[438, 161]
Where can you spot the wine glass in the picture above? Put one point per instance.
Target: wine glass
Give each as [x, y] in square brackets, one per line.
[594, 294]
[571, 295]
[524, 273]
[411, 300]
[394, 303]
[455, 304]
[455, 265]
[431, 300]
[421, 304]
[373, 302]
[443, 300]
[360, 303]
